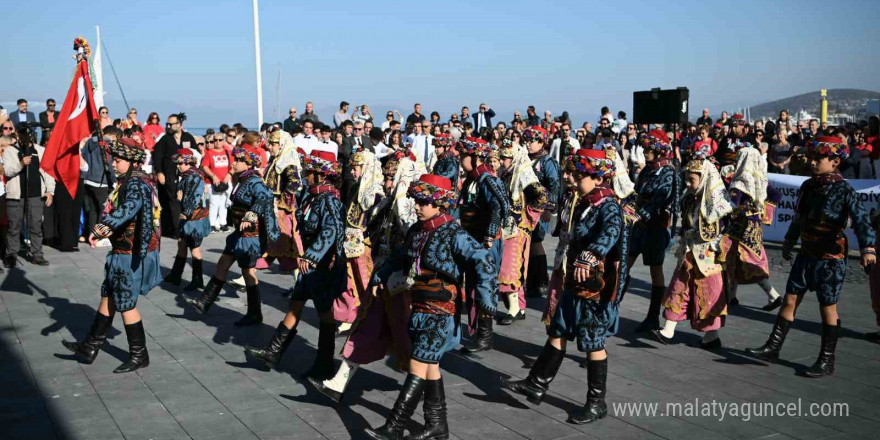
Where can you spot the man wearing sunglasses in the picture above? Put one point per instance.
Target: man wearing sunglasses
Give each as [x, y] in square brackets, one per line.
[47, 121]
[291, 123]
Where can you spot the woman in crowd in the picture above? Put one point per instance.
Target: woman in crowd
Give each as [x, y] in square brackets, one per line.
[152, 131]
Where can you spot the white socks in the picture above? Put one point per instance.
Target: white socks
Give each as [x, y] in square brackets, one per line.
[772, 294]
[710, 336]
[668, 328]
[513, 304]
[340, 380]
[344, 326]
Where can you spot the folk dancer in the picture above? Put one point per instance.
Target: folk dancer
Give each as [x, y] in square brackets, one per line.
[696, 291]
[528, 199]
[652, 213]
[381, 326]
[367, 192]
[596, 267]
[255, 227]
[447, 164]
[322, 268]
[743, 243]
[131, 223]
[284, 178]
[194, 224]
[483, 206]
[437, 252]
[547, 170]
[825, 205]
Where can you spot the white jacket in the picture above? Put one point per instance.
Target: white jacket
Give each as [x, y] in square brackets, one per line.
[12, 166]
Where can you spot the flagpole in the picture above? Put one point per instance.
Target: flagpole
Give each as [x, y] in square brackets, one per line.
[96, 63]
[259, 66]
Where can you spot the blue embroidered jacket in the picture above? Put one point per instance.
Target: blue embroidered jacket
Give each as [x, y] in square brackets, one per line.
[825, 204]
[132, 223]
[447, 166]
[599, 239]
[659, 195]
[483, 206]
[448, 251]
[255, 201]
[547, 170]
[322, 228]
[192, 187]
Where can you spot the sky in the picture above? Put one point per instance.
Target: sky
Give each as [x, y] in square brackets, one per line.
[198, 56]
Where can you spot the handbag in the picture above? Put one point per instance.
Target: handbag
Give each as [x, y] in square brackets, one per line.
[221, 187]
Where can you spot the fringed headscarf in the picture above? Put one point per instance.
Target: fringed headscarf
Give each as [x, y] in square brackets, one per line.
[521, 172]
[750, 176]
[371, 178]
[713, 196]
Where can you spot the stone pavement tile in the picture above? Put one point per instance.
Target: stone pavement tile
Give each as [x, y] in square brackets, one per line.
[25, 418]
[88, 428]
[213, 424]
[276, 423]
[146, 421]
[244, 395]
[125, 391]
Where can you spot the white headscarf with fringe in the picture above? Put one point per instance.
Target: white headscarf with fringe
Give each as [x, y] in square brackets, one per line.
[750, 176]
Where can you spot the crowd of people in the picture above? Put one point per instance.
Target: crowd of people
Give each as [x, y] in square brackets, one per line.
[396, 229]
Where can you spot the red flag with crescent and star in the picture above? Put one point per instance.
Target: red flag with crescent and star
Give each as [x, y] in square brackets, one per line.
[75, 122]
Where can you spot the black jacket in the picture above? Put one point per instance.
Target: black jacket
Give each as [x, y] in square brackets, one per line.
[162, 152]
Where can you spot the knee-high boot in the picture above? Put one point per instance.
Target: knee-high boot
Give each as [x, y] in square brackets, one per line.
[209, 295]
[595, 408]
[322, 368]
[434, 406]
[652, 321]
[273, 352]
[254, 313]
[404, 407]
[137, 349]
[483, 336]
[825, 363]
[87, 351]
[197, 281]
[770, 350]
[538, 281]
[173, 278]
[542, 373]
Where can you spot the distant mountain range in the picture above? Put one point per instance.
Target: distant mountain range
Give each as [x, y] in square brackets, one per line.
[848, 101]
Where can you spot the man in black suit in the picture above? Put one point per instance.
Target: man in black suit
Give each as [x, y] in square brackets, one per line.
[166, 170]
[357, 141]
[22, 115]
[483, 118]
[47, 121]
[289, 125]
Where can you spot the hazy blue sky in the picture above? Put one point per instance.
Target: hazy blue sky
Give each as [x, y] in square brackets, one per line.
[562, 55]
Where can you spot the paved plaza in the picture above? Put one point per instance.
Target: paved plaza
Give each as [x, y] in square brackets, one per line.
[199, 384]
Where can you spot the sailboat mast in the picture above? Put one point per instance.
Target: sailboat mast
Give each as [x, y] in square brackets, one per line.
[259, 65]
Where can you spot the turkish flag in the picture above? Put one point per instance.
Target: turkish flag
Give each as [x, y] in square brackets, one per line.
[75, 122]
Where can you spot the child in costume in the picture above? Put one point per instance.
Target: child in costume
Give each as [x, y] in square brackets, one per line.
[437, 252]
[528, 198]
[696, 291]
[483, 206]
[284, 178]
[596, 268]
[255, 227]
[652, 212]
[131, 223]
[825, 204]
[547, 170]
[322, 266]
[743, 243]
[194, 223]
[383, 318]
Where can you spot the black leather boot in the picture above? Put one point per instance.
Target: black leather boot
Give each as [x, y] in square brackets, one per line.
[254, 313]
[273, 352]
[482, 337]
[434, 407]
[652, 321]
[825, 363]
[595, 408]
[404, 407]
[770, 350]
[197, 281]
[537, 282]
[542, 373]
[209, 295]
[173, 278]
[87, 351]
[137, 349]
[322, 368]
